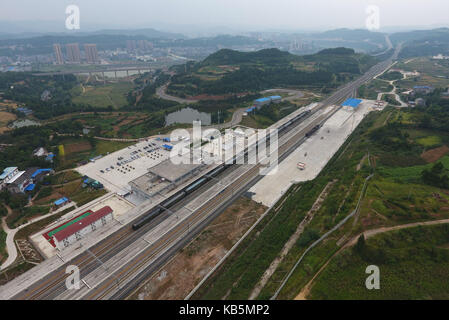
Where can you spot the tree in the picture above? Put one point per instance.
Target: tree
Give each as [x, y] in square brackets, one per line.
[436, 176]
[360, 247]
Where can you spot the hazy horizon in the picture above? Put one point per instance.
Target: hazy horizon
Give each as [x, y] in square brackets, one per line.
[231, 16]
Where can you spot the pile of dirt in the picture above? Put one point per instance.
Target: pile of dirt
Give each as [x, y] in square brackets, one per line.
[77, 147]
[433, 155]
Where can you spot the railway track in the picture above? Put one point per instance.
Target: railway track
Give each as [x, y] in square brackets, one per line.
[51, 286]
[102, 251]
[104, 290]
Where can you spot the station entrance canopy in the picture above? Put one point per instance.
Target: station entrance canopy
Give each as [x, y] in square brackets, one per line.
[354, 103]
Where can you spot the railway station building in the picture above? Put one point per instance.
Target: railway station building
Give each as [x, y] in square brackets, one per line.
[164, 177]
[76, 229]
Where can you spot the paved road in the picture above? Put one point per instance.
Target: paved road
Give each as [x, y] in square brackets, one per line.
[394, 92]
[160, 92]
[11, 233]
[50, 286]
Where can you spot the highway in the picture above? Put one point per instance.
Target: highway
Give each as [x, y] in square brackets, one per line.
[125, 279]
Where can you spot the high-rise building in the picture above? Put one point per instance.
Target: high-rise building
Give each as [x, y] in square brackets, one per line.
[145, 45]
[58, 53]
[131, 45]
[91, 53]
[73, 53]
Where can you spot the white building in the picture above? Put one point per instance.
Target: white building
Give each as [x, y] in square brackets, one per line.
[40, 152]
[78, 230]
[8, 175]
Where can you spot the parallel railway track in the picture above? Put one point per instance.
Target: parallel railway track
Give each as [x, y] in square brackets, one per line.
[51, 285]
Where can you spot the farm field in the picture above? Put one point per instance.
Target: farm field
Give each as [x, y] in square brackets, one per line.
[5, 118]
[433, 73]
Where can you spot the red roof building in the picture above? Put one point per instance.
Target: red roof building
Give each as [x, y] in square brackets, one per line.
[82, 224]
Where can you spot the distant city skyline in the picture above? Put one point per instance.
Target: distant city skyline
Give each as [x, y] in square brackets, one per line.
[207, 16]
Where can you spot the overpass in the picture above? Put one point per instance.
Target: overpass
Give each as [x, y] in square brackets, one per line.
[90, 71]
[115, 266]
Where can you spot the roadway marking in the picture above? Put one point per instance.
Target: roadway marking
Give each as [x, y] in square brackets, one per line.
[59, 256]
[121, 223]
[84, 281]
[286, 145]
[98, 259]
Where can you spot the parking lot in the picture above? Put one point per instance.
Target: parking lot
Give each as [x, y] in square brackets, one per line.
[117, 169]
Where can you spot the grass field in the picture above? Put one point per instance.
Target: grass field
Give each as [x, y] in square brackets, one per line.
[260, 119]
[430, 141]
[371, 90]
[19, 217]
[413, 263]
[81, 149]
[433, 73]
[426, 65]
[395, 195]
[102, 96]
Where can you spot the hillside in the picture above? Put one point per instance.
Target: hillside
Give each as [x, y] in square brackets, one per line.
[232, 57]
[354, 34]
[423, 42]
[405, 153]
[229, 72]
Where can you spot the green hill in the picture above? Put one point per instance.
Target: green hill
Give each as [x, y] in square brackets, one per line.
[228, 71]
[423, 42]
[232, 57]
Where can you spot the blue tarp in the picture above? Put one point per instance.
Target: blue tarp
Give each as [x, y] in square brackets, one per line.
[167, 147]
[30, 187]
[250, 109]
[39, 171]
[166, 139]
[61, 201]
[263, 100]
[351, 103]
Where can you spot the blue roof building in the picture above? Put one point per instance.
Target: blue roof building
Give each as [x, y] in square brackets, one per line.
[262, 100]
[50, 157]
[354, 103]
[61, 201]
[30, 187]
[39, 171]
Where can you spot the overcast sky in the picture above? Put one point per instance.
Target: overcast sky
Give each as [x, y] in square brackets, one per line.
[235, 14]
